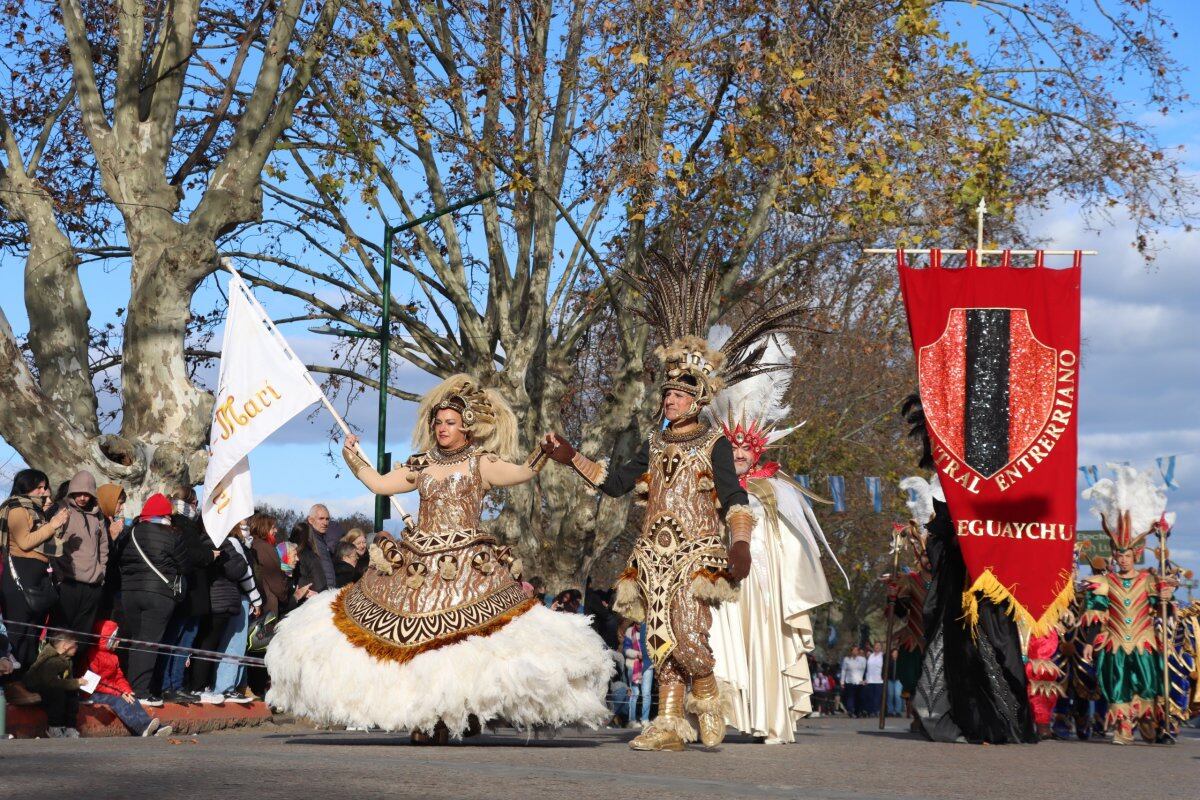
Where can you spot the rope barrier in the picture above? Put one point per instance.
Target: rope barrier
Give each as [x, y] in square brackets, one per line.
[124, 643]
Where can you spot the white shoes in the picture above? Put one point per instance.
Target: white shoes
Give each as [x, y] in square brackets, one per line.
[59, 732]
[212, 698]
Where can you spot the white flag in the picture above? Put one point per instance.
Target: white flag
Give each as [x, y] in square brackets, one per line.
[262, 385]
[232, 502]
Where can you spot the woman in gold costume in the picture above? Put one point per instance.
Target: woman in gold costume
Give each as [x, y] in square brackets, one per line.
[438, 635]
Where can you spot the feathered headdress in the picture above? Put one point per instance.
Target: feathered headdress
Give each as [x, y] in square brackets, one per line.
[486, 416]
[749, 411]
[679, 290]
[1130, 506]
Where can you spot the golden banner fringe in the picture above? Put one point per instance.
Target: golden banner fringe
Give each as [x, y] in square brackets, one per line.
[988, 586]
[390, 651]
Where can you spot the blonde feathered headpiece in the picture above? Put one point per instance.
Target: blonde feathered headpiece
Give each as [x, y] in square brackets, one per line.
[751, 410]
[1129, 506]
[487, 417]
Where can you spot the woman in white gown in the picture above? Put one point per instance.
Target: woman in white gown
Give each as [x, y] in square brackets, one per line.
[761, 641]
[438, 636]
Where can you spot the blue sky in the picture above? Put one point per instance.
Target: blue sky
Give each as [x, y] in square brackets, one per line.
[1140, 380]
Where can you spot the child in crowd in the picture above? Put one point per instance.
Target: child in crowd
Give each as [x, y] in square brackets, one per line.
[114, 690]
[50, 676]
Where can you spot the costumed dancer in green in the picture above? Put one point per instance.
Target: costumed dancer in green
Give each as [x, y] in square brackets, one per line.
[1121, 605]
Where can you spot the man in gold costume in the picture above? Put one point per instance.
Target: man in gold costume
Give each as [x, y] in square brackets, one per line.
[681, 567]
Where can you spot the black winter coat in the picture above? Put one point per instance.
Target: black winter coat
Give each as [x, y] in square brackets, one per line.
[224, 595]
[310, 571]
[164, 547]
[200, 555]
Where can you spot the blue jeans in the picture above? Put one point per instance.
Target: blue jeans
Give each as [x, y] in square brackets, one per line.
[647, 692]
[233, 643]
[132, 714]
[895, 698]
[182, 633]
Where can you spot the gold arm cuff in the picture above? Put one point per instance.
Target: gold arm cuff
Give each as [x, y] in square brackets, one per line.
[354, 461]
[594, 472]
[537, 459]
[741, 521]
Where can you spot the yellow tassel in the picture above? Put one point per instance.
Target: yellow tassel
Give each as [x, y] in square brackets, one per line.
[986, 585]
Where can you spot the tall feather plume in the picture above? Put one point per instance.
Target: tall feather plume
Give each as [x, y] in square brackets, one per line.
[746, 349]
[1137, 493]
[679, 293]
[680, 289]
[759, 399]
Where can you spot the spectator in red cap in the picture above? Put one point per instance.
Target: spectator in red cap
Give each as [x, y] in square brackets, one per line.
[153, 562]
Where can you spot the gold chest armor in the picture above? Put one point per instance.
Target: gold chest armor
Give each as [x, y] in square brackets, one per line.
[682, 531]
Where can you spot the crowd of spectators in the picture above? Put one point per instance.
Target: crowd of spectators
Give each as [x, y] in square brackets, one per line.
[145, 602]
[148, 604]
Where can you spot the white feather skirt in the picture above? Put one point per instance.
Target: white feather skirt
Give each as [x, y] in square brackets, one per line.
[543, 669]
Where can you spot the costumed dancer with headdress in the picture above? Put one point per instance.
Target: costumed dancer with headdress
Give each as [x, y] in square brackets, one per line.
[438, 636]
[1121, 605]
[1045, 678]
[973, 685]
[1081, 702]
[1184, 665]
[681, 568]
[907, 592]
[761, 642]
[1182, 638]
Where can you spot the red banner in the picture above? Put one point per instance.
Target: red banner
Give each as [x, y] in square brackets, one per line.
[997, 352]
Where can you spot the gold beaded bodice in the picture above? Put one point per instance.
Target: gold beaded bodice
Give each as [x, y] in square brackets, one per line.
[451, 502]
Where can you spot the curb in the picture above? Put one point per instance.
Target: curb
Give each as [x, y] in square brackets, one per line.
[94, 721]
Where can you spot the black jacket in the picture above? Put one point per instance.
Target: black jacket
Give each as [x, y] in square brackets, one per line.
[310, 571]
[345, 573]
[225, 574]
[200, 554]
[164, 547]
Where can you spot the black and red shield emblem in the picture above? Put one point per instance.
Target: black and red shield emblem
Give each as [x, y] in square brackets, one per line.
[988, 386]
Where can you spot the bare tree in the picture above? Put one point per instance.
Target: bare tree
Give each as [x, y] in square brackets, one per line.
[607, 128]
[139, 131]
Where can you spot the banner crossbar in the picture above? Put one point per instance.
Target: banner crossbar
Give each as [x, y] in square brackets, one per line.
[879, 251]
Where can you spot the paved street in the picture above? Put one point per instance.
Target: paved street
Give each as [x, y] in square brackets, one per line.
[836, 759]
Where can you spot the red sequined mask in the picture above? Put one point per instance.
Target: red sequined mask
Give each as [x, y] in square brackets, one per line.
[752, 438]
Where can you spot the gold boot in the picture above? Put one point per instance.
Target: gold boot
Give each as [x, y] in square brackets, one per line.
[669, 730]
[705, 703]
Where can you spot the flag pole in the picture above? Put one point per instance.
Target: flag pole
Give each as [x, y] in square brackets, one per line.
[897, 544]
[324, 400]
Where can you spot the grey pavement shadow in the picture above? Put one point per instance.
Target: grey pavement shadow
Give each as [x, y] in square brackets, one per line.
[916, 737]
